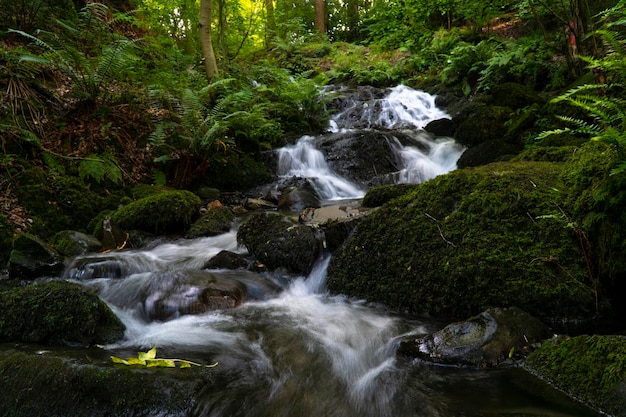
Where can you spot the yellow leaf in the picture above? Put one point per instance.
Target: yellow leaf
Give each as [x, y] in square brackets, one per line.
[151, 354]
[115, 359]
[160, 363]
[136, 361]
[185, 365]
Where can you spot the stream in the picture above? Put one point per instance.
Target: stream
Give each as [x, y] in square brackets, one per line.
[292, 349]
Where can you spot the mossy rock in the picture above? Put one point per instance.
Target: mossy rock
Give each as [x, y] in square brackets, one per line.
[469, 240]
[57, 313]
[490, 151]
[215, 221]
[378, 196]
[33, 258]
[591, 369]
[485, 124]
[46, 385]
[547, 153]
[596, 204]
[73, 243]
[280, 242]
[164, 213]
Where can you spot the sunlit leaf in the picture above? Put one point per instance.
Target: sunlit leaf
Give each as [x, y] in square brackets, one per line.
[151, 354]
[115, 359]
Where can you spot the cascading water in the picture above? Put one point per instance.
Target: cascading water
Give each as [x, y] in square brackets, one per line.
[402, 109]
[285, 347]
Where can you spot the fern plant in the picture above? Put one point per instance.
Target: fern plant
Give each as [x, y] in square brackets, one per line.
[90, 76]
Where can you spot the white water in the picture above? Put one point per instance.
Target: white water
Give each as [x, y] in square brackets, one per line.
[403, 108]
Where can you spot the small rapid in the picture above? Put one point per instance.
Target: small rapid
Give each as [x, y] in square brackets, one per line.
[418, 158]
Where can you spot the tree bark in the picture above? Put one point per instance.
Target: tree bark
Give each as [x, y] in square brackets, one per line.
[270, 22]
[206, 43]
[320, 16]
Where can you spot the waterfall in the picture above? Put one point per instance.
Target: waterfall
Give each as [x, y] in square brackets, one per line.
[403, 109]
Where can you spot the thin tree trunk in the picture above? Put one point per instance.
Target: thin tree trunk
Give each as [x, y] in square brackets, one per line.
[320, 16]
[270, 22]
[206, 43]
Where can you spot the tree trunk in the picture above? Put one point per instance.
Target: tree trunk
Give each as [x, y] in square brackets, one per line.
[270, 22]
[320, 16]
[206, 43]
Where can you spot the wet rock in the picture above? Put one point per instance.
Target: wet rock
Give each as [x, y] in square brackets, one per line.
[337, 222]
[227, 260]
[441, 127]
[215, 220]
[73, 243]
[57, 313]
[32, 258]
[488, 339]
[298, 198]
[258, 204]
[279, 241]
[171, 294]
[164, 213]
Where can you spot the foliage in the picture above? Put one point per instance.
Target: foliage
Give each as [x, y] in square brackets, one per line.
[149, 359]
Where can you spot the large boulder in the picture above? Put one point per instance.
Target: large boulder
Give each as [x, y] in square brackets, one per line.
[280, 242]
[57, 313]
[487, 339]
[42, 384]
[589, 368]
[469, 240]
[164, 213]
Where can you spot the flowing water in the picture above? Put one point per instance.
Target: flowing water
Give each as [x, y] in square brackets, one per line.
[292, 349]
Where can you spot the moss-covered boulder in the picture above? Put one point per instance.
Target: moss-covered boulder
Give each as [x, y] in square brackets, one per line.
[57, 313]
[32, 258]
[216, 220]
[73, 243]
[469, 240]
[378, 196]
[485, 124]
[46, 385]
[490, 338]
[280, 242]
[591, 369]
[165, 213]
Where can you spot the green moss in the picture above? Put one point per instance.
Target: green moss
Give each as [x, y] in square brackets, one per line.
[40, 385]
[589, 368]
[547, 153]
[168, 212]
[470, 240]
[378, 196]
[215, 221]
[485, 124]
[278, 241]
[55, 313]
[515, 96]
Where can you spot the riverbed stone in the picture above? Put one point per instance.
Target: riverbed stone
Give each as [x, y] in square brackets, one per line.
[215, 220]
[31, 258]
[488, 339]
[279, 241]
[74, 243]
[57, 313]
[164, 213]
